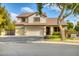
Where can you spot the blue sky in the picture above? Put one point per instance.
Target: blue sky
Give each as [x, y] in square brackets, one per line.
[17, 8]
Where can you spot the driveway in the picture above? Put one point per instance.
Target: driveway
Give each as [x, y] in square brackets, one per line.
[37, 49]
[20, 38]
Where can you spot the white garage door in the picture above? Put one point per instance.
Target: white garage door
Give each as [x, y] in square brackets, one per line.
[31, 31]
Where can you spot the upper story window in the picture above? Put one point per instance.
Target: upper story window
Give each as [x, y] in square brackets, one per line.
[36, 19]
[23, 19]
[37, 14]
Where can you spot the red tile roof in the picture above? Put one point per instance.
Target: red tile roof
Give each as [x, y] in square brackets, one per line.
[53, 21]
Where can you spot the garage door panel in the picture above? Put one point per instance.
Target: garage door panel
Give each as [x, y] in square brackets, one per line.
[33, 31]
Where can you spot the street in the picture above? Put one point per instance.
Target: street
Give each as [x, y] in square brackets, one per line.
[37, 49]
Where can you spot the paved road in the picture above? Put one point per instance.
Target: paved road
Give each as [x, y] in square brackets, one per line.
[30, 49]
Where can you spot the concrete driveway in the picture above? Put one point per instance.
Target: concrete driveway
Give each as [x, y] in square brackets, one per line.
[37, 49]
[20, 38]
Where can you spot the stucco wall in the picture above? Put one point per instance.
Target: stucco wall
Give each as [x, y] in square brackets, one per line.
[51, 30]
[19, 30]
[31, 19]
[18, 20]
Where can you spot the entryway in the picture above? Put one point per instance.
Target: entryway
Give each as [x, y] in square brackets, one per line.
[47, 30]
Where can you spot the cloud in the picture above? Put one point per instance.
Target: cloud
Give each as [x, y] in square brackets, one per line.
[46, 5]
[27, 9]
[53, 7]
[13, 15]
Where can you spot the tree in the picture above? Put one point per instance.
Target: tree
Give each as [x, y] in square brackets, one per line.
[4, 18]
[78, 23]
[66, 10]
[10, 27]
[69, 25]
[77, 27]
[39, 7]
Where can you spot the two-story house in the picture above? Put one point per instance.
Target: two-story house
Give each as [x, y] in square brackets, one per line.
[32, 24]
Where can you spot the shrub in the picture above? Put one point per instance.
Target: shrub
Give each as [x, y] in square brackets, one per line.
[71, 31]
[55, 35]
[47, 37]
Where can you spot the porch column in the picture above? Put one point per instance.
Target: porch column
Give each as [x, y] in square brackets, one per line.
[25, 31]
[44, 30]
[51, 30]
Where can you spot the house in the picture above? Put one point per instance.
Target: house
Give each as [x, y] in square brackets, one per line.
[32, 24]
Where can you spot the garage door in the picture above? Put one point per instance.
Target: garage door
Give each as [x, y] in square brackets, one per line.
[31, 31]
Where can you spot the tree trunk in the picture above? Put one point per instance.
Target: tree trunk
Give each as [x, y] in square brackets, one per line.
[62, 33]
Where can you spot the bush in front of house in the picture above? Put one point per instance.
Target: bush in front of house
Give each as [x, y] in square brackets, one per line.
[77, 29]
[71, 31]
[47, 37]
[55, 35]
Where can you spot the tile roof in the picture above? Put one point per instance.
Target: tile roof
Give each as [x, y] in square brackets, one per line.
[29, 14]
[49, 21]
[53, 21]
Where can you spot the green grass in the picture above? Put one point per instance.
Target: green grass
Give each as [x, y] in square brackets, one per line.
[56, 37]
[71, 40]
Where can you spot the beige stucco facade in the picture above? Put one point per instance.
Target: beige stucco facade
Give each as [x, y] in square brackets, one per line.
[31, 19]
[33, 30]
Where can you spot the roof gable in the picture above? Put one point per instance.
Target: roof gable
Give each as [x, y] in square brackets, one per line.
[25, 15]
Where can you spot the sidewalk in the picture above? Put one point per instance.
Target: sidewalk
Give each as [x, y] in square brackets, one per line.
[53, 42]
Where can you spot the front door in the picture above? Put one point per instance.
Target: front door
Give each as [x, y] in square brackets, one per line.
[47, 30]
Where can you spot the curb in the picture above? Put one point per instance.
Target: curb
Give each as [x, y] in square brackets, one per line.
[55, 42]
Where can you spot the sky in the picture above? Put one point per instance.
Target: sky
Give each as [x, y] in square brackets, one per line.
[17, 8]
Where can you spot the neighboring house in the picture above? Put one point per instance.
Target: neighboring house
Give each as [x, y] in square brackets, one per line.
[32, 24]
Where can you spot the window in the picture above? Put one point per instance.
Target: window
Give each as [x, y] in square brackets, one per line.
[23, 19]
[36, 19]
[56, 29]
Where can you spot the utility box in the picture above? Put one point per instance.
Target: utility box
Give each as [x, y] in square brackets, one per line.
[73, 35]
